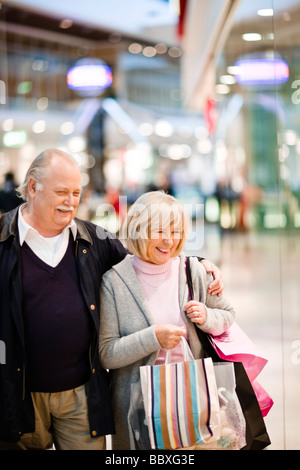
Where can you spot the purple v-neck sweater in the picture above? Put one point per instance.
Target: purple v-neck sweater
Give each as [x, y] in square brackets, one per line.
[56, 323]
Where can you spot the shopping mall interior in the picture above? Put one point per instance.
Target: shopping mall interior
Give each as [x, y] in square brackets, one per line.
[193, 97]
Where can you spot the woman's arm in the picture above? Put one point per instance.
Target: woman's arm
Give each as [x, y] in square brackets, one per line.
[116, 350]
[213, 314]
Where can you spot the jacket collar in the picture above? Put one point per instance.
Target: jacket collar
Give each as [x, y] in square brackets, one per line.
[82, 231]
[9, 227]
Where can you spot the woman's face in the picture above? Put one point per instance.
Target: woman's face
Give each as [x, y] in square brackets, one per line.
[162, 244]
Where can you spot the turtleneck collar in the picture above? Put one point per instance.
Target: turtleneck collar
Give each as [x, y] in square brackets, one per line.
[150, 268]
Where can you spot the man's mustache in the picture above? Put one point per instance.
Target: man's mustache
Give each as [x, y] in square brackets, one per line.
[65, 208]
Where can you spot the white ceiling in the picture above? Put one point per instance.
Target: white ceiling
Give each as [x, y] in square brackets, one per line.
[249, 8]
[128, 16]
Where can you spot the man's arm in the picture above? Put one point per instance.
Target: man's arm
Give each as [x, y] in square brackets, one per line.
[217, 286]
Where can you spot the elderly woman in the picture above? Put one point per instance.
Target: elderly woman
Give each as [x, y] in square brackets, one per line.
[144, 301]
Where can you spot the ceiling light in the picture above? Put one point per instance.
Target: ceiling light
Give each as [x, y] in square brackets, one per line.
[252, 37]
[233, 69]
[39, 126]
[149, 51]
[76, 144]
[174, 52]
[146, 128]
[161, 48]
[163, 128]
[67, 128]
[265, 12]
[42, 103]
[222, 89]
[227, 80]
[135, 48]
[8, 124]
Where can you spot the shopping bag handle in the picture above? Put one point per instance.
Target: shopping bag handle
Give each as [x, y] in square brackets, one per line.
[187, 353]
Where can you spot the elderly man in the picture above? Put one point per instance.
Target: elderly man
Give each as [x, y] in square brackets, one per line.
[52, 387]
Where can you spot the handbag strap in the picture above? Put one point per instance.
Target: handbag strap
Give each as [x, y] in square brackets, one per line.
[189, 279]
[207, 348]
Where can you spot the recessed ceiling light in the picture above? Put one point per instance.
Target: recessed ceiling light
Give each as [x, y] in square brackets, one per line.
[149, 51]
[233, 69]
[227, 80]
[265, 12]
[222, 89]
[252, 37]
[135, 48]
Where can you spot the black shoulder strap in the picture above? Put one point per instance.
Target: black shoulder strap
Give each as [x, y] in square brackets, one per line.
[189, 279]
[207, 349]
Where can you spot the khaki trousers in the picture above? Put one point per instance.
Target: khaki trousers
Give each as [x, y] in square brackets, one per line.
[61, 419]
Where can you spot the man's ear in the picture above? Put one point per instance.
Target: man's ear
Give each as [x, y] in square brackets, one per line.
[32, 187]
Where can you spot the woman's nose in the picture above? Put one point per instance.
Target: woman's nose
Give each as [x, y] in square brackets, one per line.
[167, 239]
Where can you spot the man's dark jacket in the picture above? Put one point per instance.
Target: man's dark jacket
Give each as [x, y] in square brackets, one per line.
[96, 252]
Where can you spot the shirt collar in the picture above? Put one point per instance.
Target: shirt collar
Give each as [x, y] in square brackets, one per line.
[24, 227]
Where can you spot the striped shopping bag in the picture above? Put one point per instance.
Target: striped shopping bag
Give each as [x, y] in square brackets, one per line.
[181, 402]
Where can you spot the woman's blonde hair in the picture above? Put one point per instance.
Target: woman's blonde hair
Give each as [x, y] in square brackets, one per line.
[152, 211]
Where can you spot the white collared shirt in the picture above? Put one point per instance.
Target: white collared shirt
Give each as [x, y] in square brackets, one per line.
[50, 250]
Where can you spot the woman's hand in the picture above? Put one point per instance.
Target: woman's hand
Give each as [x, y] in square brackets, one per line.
[169, 335]
[196, 311]
[216, 287]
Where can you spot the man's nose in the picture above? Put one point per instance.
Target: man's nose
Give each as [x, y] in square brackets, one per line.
[70, 199]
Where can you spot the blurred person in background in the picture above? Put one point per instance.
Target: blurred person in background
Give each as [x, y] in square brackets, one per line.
[8, 195]
[144, 302]
[52, 387]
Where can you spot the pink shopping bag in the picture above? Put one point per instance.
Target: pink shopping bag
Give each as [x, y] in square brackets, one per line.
[234, 345]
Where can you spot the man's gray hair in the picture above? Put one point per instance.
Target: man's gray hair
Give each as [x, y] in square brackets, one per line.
[39, 168]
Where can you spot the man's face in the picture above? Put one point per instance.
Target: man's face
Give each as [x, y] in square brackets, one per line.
[55, 200]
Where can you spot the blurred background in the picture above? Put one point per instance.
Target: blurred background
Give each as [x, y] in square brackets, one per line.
[198, 98]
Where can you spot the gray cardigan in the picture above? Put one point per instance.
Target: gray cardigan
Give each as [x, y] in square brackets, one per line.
[127, 331]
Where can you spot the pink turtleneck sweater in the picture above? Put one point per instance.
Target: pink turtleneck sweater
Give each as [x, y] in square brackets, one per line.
[160, 283]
